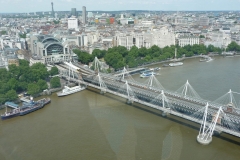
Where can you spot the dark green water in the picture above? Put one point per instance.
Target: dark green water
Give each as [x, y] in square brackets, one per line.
[87, 125]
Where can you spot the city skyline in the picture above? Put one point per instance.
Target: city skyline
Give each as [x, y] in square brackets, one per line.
[114, 5]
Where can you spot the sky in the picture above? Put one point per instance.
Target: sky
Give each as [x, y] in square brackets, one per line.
[25, 6]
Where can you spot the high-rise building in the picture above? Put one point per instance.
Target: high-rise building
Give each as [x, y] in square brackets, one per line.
[73, 23]
[53, 15]
[90, 14]
[84, 16]
[74, 12]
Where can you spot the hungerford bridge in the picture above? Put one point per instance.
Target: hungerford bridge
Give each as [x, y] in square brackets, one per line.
[222, 115]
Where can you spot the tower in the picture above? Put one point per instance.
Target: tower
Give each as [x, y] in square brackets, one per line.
[84, 16]
[74, 12]
[52, 10]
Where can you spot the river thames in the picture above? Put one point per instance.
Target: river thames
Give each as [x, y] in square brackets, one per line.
[91, 126]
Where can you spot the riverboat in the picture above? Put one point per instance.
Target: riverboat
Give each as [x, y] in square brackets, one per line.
[147, 74]
[33, 106]
[205, 59]
[26, 108]
[174, 64]
[70, 90]
[10, 114]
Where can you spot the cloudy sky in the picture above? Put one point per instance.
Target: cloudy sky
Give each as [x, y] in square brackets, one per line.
[7, 6]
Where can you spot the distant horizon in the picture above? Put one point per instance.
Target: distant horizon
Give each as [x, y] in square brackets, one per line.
[128, 11]
[21, 6]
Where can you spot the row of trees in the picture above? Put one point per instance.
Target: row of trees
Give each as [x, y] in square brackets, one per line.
[16, 79]
[233, 46]
[117, 57]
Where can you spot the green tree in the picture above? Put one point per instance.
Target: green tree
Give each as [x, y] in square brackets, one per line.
[3, 32]
[54, 71]
[11, 95]
[13, 84]
[33, 89]
[114, 59]
[38, 71]
[2, 98]
[133, 51]
[55, 82]
[22, 35]
[42, 84]
[233, 46]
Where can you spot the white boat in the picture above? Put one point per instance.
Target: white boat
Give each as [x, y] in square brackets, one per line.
[174, 64]
[70, 90]
[209, 59]
[147, 74]
[205, 59]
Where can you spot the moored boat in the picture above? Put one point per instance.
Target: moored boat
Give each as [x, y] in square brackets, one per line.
[147, 74]
[10, 114]
[70, 90]
[26, 108]
[174, 64]
[33, 106]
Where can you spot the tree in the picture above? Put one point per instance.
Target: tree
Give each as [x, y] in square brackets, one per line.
[3, 32]
[13, 84]
[42, 84]
[133, 51]
[2, 98]
[55, 82]
[98, 53]
[233, 46]
[53, 71]
[33, 89]
[39, 71]
[11, 95]
[114, 59]
[22, 35]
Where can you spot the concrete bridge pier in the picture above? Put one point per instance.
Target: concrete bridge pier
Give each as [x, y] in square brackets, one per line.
[102, 92]
[165, 114]
[204, 139]
[217, 132]
[129, 101]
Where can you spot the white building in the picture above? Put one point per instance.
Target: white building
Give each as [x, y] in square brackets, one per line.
[73, 23]
[184, 40]
[125, 39]
[163, 37]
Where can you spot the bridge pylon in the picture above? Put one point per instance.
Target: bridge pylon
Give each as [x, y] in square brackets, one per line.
[206, 131]
[164, 100]
[129, 94]
[102, 85]
[188, 91]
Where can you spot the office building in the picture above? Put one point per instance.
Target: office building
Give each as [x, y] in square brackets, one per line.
[84, 16]
[184, 40]
[74, 12]
[73, 23]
